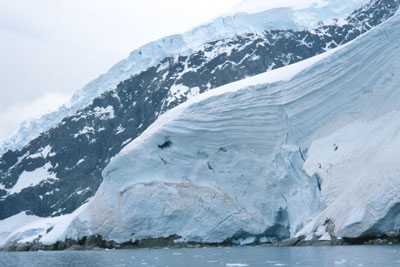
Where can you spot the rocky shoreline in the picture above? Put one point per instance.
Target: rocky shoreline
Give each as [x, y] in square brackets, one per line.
[95, 242]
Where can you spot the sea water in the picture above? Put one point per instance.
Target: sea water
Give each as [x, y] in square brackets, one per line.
[379, 256]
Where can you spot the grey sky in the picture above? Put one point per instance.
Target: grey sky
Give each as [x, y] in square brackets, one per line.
[50, 48]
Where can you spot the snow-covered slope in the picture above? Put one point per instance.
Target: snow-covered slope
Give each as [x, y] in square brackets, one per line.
[25, 228]
[261, 158]
[182, 44]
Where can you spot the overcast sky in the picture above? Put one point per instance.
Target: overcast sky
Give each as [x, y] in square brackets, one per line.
[50, 48]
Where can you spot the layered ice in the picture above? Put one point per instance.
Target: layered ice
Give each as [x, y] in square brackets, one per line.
[244, 18]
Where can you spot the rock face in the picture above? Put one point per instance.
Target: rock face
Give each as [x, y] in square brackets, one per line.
[67, 160]
[256, 161]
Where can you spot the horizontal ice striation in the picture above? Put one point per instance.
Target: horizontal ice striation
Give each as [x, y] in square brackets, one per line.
[181, 44]
[228, 164]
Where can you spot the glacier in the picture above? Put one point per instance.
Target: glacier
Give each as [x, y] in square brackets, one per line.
[307, 150]
[242, 19]
[38, 228]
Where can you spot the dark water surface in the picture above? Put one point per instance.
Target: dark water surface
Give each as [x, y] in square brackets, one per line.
[379, 256]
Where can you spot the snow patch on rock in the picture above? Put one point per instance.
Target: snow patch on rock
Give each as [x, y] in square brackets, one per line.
[43, 153]
[33, 178]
